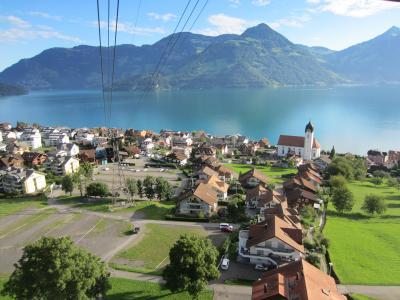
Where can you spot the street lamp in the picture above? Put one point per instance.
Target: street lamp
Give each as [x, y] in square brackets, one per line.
[330, 268]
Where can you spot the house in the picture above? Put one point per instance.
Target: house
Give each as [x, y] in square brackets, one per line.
[297, 280]
[31, 137]
[203, 199]
[55, 138]
[377, 157]
[260, 197]
[300, 182]
[84, 136]
[252, 178]
[63, 165]
[249, 149]
[204, 150]
[298, 198]
[322, 162]
[87, 155]
[219, 186]
[272, 238]
[206, 172]
[281, 210]
[32, 159]
[264, 142]
[181, 141]
[310, 175]
[307, 147]
[5, 126]
[223, 149]
[177, 157]
[147, 145]
[11, 161]
[69, 148]
[224, 173]
[20, 181]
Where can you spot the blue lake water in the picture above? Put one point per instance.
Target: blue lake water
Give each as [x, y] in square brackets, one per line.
[354, 118]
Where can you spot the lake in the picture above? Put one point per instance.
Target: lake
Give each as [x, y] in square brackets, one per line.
[354, 118]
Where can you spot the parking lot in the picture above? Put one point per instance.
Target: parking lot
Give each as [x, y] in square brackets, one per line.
[96, 234]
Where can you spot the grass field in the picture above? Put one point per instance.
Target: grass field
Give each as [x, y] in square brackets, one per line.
[9, 206]
[361, 297]
[153, 210]
[274, 174]
[125, 289]
[364, 249]
[150, 255]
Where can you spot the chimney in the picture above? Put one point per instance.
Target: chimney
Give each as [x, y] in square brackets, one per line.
[265, 288]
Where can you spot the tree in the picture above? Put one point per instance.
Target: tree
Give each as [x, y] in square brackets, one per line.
[342, 199]
[163, 189]
[332, 154]
[55, 268]
[67, 185]
[97, 189]
[148, 184]
[131, 186]
[86, 169]
[337, 181]
[193, 262]
[374, 204]
[393, 182]
[140, 188]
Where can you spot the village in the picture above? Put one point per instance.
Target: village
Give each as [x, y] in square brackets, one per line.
[263, 204]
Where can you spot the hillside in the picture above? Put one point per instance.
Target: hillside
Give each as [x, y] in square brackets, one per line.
[11, 90]
[259, 57]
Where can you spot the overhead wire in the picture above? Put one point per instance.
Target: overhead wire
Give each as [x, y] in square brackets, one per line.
[101, 65]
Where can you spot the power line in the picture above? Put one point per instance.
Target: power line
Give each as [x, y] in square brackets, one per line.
[114, 55]
[101, 64]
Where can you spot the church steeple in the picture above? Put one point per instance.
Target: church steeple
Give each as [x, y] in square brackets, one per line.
[309, 127]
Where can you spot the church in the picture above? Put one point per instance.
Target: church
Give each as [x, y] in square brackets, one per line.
[305, 146]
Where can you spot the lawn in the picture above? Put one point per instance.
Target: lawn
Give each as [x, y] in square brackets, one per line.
[361, 297]
[152, 210]
[9, 206]
[274, 174]
[125, 289]
[364, 248]
[150, 255]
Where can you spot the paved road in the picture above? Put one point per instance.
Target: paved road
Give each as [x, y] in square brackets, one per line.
[378, 292]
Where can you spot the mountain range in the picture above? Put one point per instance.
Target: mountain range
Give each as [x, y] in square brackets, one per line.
[259, 57]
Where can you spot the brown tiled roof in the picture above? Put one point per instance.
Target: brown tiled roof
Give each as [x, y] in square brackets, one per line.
[296, 194]
[273, 226]
[255, 192]
[206, 193]
[296, 280]
[222, 170]
[178, 155]
[208, 171]
[295, 141]
[218, 184]
[254, 173]
[301, 183]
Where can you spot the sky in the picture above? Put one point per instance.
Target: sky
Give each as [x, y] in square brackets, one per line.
[27, 27]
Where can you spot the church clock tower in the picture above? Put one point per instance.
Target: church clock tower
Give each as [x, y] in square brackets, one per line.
[308, 141]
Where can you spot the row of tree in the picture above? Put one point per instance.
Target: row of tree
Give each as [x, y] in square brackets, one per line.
[150, 187]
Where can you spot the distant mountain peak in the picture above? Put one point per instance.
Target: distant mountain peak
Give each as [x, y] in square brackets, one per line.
[263, 32]
[393, 31]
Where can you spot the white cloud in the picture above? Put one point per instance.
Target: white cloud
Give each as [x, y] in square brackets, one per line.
[313, 1]
[45, 15]
[14, 21]
[20, 30]
[293, 21]
[164, 17]
[261, 2]
[222, 24]
[130, 28]
[354, 8]
[234, 3]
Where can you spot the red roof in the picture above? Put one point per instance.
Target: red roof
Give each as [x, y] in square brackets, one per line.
[295, 141]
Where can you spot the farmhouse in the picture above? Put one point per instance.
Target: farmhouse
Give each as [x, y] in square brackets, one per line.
[307, 147]
[297, 280]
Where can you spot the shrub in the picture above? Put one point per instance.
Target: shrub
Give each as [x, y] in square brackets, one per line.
[314, 259]
[308, 244]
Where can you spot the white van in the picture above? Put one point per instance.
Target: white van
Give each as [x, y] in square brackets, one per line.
[225, 264]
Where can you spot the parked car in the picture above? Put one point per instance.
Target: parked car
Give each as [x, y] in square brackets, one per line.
[227, 229]
[261, 267]
[225, 264]
[223, 225]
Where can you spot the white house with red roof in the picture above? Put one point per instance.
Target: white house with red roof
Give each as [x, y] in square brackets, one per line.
[305, 146]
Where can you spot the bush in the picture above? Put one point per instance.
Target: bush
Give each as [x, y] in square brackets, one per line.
[376, 180]
[374, 204]
[186, 218]
[325, 242]
[308, 244]
[314, 259]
